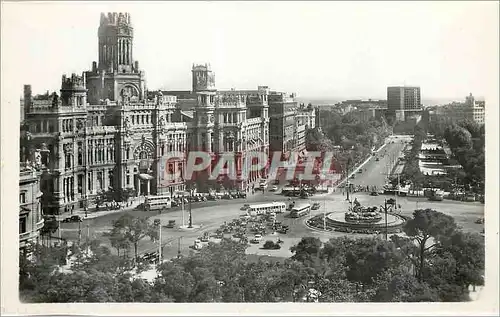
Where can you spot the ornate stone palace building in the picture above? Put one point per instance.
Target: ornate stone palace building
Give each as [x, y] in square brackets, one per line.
[105, 131]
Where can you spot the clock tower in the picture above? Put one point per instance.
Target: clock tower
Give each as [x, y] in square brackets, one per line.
[116, 76]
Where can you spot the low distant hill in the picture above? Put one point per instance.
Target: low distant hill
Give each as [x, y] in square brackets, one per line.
[317, 101]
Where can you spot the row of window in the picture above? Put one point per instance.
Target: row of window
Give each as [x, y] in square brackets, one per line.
[231, 117]
[42, 126]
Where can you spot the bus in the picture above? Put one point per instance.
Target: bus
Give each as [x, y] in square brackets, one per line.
[300, 210]
[267, 208]
[163, 202]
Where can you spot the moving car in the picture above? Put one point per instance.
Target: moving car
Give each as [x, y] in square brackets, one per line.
[171, 224]
[73, 219]
[315, 206]
[273, 188]
[373, 194]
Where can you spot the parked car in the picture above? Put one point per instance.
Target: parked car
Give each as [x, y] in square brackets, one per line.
[315, 206]
[256, 239]
[373, 194]
[197, 244]
[283, 230]
[205, 237]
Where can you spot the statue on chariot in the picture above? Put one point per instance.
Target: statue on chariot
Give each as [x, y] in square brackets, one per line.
[362, 214]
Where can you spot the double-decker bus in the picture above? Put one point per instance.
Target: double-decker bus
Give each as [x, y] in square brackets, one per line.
[267, 208]
[163, 203]
[300, 210]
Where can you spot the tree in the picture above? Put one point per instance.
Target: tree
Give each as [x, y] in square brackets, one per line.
[468, 250]
[399, 285]
[133, 229]
[426, 229]
[174, 281]
[97, 278]
[118, 238]
[306, 249]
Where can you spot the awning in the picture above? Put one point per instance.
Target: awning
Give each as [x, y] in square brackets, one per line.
[145, 177]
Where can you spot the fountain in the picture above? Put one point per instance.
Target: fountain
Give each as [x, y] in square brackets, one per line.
[358, 219]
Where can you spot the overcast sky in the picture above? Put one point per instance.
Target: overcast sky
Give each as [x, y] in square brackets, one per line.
[319, 50]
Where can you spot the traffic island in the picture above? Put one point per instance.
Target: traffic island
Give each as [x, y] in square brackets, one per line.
[189, 228]
[337, 221]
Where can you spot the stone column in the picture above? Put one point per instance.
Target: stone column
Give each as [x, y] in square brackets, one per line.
[221, 142]
[75, 185]
[138, 186]
[127, 56]
[198, 141]
[148, 185]
[209, 142]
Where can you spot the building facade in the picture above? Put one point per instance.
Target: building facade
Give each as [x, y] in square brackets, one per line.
[30, 211]
[472, 109]
[288, 124]
[230, 122]
[105, 132]
[403, 102]
[31, 219]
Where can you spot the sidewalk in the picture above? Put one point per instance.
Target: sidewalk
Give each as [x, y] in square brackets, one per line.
[95, 214]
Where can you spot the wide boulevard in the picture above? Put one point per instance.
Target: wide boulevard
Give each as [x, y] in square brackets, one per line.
[211, 214]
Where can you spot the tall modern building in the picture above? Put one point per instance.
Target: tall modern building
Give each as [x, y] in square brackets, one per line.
[403, 102]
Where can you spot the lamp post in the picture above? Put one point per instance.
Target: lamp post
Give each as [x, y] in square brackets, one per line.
[179, 247]
[190, 209]
[386, 225]
[347, 175]
[159, 243]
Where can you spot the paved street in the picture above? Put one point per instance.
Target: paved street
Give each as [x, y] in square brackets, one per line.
[210, 215]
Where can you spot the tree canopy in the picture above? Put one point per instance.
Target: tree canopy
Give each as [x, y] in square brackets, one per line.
[436, 262]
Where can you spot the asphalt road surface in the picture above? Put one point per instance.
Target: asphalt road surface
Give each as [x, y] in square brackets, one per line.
[208, 216]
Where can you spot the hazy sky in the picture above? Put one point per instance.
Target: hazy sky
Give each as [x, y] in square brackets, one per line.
[317, 49]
